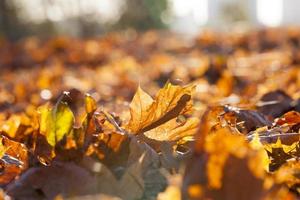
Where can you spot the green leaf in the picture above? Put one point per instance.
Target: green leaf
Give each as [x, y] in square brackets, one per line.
[56, 122]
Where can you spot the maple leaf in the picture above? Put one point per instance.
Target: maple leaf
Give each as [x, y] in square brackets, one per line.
[56, 122]
[162, 118]
[174, 129]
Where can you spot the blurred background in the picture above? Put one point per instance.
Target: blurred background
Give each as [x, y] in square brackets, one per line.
[84, 18]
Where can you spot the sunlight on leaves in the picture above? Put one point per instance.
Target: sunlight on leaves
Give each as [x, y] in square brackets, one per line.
[56, 122]
[162, 118]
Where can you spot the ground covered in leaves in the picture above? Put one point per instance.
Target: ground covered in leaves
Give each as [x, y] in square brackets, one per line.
[151, 116]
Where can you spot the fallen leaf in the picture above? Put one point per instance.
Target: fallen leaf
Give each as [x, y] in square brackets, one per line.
[174, 130]
[245, 120]
[14, 160]
[228, 169]
[163, 118]
[275, 103]
[56, 122]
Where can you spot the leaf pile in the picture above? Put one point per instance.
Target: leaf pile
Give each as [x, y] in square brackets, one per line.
[127, 156]
[218, 117]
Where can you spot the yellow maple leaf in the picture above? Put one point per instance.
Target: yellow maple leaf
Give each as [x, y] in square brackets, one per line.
[174, 130]
[163, 118]
[286, 148]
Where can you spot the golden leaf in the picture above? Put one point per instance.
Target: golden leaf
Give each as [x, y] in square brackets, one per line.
[163, 118]
[2, 148]
[90, 104]
[174, 130]
[286, 148]
[263, 156]
[139, 110]
[221, 146]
